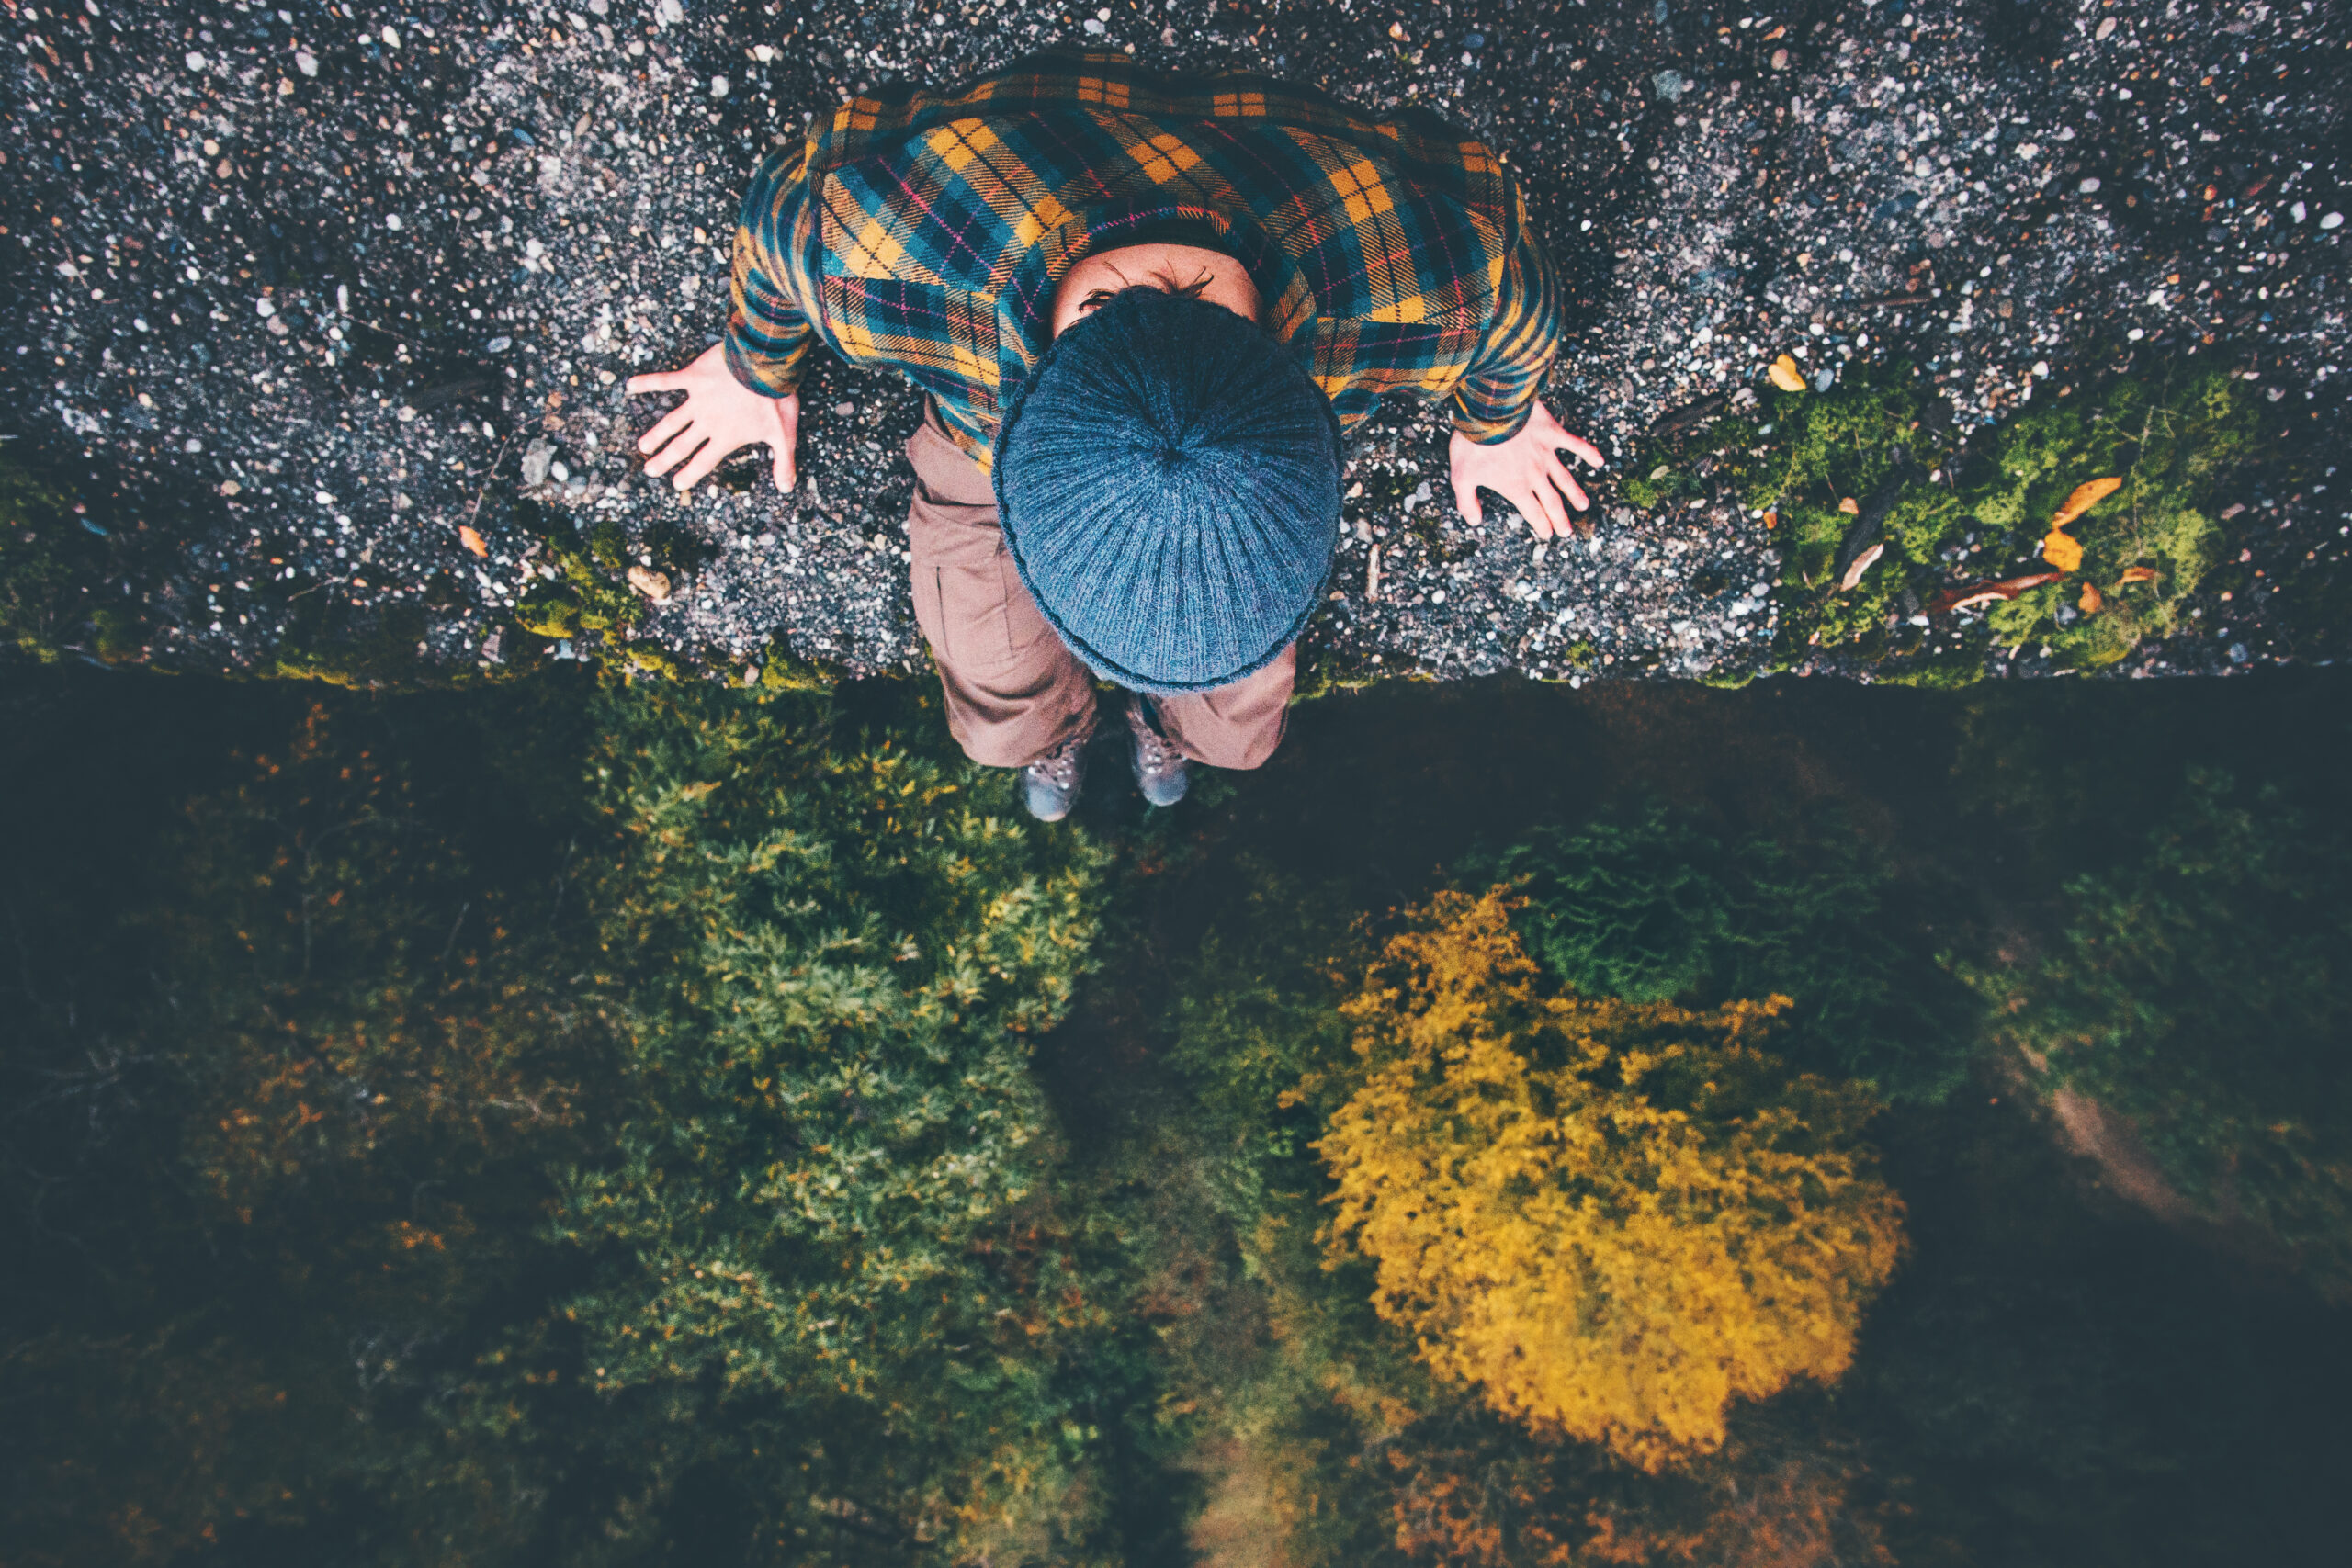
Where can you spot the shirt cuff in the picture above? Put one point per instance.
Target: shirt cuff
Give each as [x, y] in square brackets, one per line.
[768, 377]
[1490, 431]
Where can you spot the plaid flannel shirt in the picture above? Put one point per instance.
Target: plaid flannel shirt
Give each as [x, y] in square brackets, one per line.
[927, 234]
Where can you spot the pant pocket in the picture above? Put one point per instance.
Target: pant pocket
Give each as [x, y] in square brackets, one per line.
[974, 613]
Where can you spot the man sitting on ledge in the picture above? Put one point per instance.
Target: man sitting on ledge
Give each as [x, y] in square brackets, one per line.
[1146, 309]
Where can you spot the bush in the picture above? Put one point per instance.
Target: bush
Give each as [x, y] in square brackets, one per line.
[831, 953]
[1613, 1217]
[2200, 992]
[1647, 908]
[334, 1051]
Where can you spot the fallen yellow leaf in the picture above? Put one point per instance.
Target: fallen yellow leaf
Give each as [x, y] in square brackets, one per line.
[1851, 507]
[2085, 496]
[2091, 601]
[2063, 551]
[2138, 574]
[1785, 374]
[1772, 517]
[473, 540]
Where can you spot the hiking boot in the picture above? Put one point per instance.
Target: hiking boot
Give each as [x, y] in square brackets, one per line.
[1161, 768]
[1049, 785]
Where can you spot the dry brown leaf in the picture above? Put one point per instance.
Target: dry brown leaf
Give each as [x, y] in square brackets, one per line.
[654, 585]
[2138, 574]
[1785, 374]
[2063, 551]
[1862, 563]
[2086, 496]
[1984, 593]
[473, 539]
[1851, 507]
[1772, 517]
[2092, 600]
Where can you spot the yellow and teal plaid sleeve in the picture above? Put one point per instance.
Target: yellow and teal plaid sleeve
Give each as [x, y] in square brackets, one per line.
[768, 333]
[1521, 339]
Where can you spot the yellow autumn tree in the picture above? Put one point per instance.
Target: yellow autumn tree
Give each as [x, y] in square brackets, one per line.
[1613, 1218]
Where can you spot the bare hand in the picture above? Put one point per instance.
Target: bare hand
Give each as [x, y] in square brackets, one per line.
[719, 416]
[1525, 470]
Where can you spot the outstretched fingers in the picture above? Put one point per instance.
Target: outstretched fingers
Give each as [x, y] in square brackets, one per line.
[1586, 453]
[1465, 502]
[709, 458]
[657, 381]
[670, 424]
[1557, 473]
[678, 451]
[1545, 516]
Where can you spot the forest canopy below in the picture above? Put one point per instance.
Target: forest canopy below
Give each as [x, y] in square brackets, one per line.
[578, 1120]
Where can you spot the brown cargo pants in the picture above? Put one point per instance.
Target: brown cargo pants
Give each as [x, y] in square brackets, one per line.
[1015, 691]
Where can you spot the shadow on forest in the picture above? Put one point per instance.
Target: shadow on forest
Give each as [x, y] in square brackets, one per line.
[2053, 1377]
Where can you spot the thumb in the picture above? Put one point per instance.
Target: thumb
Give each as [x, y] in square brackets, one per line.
[1466, 500]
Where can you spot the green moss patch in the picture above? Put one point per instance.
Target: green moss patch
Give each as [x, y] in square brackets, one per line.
[49, 557]
[326, 642]
[1885, 516]
[2176, 444]
[781, 670]
[588, 594]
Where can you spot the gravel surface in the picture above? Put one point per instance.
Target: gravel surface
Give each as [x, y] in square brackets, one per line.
[309, 300]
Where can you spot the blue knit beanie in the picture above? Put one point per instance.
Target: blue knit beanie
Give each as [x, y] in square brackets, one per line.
[1169, 481]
